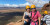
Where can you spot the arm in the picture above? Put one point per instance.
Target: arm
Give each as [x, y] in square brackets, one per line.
[45, 17]
[39, 21]
[39, 17]
[24, 18]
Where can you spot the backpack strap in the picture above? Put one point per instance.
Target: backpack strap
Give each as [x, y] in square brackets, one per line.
[34, 15]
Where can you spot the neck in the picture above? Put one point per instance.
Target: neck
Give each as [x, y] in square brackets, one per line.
[33, 11]
[28, 11]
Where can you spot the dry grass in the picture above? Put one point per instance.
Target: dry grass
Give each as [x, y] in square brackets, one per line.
[16, 18]
[12, 10]
[11, 21]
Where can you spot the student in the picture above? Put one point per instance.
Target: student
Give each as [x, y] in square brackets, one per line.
[27, 15]
[44, 20]
[35, 15]
[47, 19]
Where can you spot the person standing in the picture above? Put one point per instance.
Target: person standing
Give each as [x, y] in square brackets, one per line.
[27, 15]
[35, 15]
[43, 20]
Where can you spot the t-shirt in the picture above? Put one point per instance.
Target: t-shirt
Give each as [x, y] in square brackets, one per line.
[27, 16]
[47, 18]
[26, 13]
[36, 16]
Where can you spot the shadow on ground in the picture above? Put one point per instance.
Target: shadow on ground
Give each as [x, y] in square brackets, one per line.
[8, 16]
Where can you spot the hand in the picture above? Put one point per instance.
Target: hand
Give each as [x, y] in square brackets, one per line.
[26, 20]
[39, 24]
[29, 15]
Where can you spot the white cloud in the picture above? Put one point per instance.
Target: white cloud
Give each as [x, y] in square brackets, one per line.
[22, 5]
[27, 3]
[38, 3]
[14, 5]
[8, 5]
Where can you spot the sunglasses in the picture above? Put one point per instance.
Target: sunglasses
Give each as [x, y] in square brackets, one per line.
[33, 8]
[28, 8]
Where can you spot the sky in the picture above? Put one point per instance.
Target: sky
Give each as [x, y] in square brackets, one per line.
[22, 3]
[12, 1]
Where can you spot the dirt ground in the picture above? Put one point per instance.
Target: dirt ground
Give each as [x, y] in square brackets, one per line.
[16, 23]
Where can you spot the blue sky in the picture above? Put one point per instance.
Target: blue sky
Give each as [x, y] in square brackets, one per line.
[12, 1]
[21, 3]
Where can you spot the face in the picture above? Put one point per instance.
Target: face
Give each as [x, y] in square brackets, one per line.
[33, 9]
[28, 9]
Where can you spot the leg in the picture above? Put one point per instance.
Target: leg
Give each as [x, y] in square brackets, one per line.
[25, 23]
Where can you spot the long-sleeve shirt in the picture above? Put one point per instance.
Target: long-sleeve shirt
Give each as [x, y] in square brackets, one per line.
[46, 17]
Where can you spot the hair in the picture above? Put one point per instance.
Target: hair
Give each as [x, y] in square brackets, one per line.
[26, 9]
[29, 11]
[35, 10]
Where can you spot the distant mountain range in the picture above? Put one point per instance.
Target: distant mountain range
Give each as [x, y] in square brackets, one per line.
[3, 8]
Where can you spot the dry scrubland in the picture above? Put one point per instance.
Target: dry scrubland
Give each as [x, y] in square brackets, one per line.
[4, 20]
[11, 20]
[16, 10]
[12, 10]
[14, 20]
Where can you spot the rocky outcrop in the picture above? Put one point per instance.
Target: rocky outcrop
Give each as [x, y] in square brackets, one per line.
[46, 7]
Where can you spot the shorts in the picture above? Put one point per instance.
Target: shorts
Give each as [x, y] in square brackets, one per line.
[26, 23]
